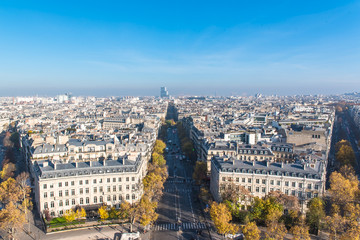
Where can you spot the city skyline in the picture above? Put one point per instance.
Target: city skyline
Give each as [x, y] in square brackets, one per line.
[116, 49]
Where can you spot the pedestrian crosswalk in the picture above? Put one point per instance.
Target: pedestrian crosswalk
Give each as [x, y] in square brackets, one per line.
[173, 190]
[183, 226]
[188, 180]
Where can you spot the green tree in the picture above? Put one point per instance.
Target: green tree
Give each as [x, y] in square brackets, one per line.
[266, 210]
[315, 214]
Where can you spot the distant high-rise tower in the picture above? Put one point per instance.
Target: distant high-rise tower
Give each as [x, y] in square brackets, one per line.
[164, 92]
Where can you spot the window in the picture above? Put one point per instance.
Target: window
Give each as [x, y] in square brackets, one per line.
[72, 192]
[127, 196]
[114, 179]
[114, 188]
[95, 199]
[108, 180]
[87, 200]
[80, 182]
[45, 186]
[45, 194]
[133, 197]
[278, 183]
[86, 181]
[272, 182]
[316, 187]
[127, 187]
[293, 184]
[257, 181]
[60, 203]
[237, 179]
[95, 189]
[108, 198]
[45, 205]
[60, 193]
[66, 184]
[133, 179]
[243, 180]
[114, 198]
[309, 186]
[127, 179]
[293, 192]
[287, 192]
[72, 183]
[73, 202]
[87, 190]
[249, 180]
[81, 201]
[81, 191]
[101, 199]
[120, 188]
[67, 202]
[133, 187]
[108, 189]
[100, 189]
[309, 195]
[66, 192]
[257, 189]
[52, 204]
[120, 197]
[119, 179]
[264, 181]
[51, 185]
[287, 183]
[263, 189]
[60, 184]
[51, 194]
[300, 185]
[249, 188]
[100, 180]
[94, 181]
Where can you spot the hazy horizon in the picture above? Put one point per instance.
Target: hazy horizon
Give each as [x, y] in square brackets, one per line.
[202, 48]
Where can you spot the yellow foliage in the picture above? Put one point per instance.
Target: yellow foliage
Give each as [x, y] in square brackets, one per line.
[221, 217]
[11, 217]
[251, 231]
[342, 190]
[159, 147]
[103, 213]
[10, 191]
[69, 215]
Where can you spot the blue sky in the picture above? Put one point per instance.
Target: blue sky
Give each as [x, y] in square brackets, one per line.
[193, 47]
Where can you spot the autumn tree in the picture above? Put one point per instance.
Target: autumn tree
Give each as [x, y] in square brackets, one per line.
[221, 217]
[300, 230]
[10, 191]
[234, 193]
[11, 218]
[7, 171]
[159, 146]
[147, 212]
[80, 213]
[200, 172]
[266, 210]
[342, 190]
[336, 225]
[158, 159]
[124, 210]
[344, 153]
[251, 231]
[103, 213]
[69, 215]
[276, 231]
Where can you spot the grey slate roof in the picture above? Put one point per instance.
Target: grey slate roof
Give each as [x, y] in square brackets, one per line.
[264, 167]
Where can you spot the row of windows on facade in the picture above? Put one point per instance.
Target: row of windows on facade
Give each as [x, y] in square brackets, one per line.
[95, 181]
[281, 149]
[272, 182]
[90, 149]
[255, 158]
[87, 190]
[87, 200]
[300, 194]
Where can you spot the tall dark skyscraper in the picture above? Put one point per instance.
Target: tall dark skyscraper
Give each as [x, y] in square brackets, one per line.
[164, 92]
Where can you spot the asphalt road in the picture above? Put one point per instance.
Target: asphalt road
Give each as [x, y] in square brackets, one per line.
[179, 210]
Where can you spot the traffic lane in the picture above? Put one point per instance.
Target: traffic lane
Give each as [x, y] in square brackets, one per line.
[166, 208]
